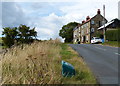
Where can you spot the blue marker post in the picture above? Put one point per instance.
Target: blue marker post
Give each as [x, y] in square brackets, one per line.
[102, 40]
[67, 69]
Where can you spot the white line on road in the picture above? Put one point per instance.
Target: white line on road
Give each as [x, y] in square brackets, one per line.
[100, 48]
[117, 53]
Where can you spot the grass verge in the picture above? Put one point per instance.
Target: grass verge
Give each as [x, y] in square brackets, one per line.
[83, 74]
[40, 63]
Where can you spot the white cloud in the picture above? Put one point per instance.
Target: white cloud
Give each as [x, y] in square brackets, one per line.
[49, 26]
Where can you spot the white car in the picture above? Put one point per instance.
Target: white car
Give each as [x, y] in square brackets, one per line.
[96, 40]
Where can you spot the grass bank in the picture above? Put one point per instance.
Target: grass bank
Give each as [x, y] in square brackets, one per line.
[112, 43]
[40, 63]
[83, 73]
[32, 64]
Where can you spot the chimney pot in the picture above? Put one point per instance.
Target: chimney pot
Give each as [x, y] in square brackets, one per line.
[87, 18]
[98, 12]
[83, 21]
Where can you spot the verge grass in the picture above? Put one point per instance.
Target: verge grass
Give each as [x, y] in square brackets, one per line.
[83, 73]
[40, 63]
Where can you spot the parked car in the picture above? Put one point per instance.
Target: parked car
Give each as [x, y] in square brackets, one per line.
[96, 40]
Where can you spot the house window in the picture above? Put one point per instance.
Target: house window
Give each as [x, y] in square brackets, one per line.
[99, 23]
[92, 22]
[92, 29]
[86, 37]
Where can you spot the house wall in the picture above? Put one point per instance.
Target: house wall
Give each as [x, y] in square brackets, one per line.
[75, 36]
[79, 32]
[98, 22]
[88, 33]
[85, 32]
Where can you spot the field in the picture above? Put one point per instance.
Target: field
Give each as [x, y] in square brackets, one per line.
[40, 63]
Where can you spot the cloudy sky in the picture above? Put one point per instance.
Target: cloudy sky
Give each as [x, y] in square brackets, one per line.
[48, 16]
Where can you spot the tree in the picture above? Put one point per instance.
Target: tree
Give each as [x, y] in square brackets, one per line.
[21, 34]
[26, 34]
[67, 31]
[10, 36]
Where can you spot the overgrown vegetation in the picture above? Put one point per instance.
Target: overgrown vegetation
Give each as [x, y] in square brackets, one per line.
[113, 38]
[18, 35]
[40, 63]
[113, 35]
[33, 64]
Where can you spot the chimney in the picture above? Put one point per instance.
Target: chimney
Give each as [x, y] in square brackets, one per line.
[83, 21]
[98, 12]
[87, 18]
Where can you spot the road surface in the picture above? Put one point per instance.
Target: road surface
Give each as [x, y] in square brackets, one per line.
[102, 60]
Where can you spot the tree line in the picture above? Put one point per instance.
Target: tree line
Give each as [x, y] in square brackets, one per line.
[24, 34]
[18, 35]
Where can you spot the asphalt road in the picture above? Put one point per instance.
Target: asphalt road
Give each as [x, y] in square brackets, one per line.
[102, 60]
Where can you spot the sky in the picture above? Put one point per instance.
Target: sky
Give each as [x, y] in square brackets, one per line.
[48, 16]
[119, 9]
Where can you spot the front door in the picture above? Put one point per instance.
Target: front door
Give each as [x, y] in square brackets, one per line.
[84, 38]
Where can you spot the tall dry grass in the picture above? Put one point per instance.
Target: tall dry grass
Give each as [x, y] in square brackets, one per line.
[32, 64]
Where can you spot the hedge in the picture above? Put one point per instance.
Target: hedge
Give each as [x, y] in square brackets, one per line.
[113, 35]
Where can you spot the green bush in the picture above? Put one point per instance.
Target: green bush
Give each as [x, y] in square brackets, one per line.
[113, 35]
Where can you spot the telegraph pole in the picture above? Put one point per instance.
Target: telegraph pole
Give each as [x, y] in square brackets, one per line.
[104, 31]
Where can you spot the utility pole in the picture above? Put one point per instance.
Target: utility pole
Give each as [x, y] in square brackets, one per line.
[104, 31]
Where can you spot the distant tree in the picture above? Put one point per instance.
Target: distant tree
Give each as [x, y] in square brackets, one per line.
[26, 34]
[10, 36]
[22, 34]
[67, 31]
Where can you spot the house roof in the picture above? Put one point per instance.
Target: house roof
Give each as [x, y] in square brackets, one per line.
[92, 18]
[106, 25]
[86, 21]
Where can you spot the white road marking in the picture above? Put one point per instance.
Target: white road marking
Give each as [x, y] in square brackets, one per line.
[117, 53]
[100, 48]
